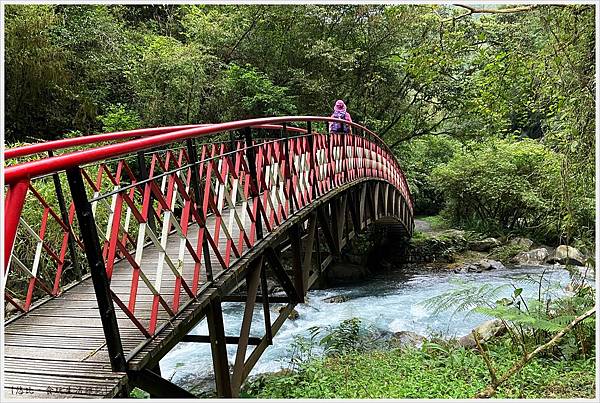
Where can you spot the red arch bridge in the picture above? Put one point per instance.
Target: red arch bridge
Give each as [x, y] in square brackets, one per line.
[114, 251]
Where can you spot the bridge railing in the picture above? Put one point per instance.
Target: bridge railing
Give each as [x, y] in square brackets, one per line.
[161, 190]
[46, 149]
[47, 253]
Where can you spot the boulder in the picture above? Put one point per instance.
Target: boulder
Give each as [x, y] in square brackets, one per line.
[293, 314]
[489, 264]
[486, 331]
[534, 257]
[460, 270]
[525, 243]
[337, 299]
[574, 287]
[565, 254]
[10, 309]
[467, 268]
[407, 339]
[473, 268]
[478, 267]
[484, 245]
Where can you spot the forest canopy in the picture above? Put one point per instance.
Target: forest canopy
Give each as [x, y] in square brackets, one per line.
[435, 81]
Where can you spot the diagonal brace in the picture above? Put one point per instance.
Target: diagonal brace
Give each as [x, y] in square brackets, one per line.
[158, 386]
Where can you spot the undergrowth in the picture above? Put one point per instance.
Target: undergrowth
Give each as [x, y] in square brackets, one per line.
[437, 370]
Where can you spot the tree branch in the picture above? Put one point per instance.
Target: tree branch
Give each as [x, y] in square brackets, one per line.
[490, 390]
[486, 357]
[255, 19]
[473, 10]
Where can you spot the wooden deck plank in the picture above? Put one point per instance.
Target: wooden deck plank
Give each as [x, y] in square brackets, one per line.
[87, 354]
[47, 364]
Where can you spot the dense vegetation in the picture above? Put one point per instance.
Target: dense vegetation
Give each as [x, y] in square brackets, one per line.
[433, 371]
[467, 86]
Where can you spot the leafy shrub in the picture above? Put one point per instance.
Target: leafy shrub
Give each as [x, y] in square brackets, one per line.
[419, 157]
[502, 186]
[118, 118]
[533, 321]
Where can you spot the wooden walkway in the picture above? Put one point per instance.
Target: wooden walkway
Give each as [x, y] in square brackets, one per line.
[58, 349]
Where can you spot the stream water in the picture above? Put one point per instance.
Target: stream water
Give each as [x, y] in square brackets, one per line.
[390, 301]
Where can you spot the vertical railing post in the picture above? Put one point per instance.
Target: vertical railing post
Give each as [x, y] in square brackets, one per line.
[288, 162]
[232, 141]
[93, 252]
[195, 184]
[144, 174]
[60, 197]
[251, 156]
[13, 203]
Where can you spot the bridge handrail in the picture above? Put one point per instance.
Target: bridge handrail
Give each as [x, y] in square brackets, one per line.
[54, 145]
[32, 169]
[19, 178]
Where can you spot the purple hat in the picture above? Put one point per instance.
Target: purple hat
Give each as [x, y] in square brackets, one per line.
[340, 106]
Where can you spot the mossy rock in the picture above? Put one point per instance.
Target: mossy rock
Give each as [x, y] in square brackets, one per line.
[293, 314]
[337, 299]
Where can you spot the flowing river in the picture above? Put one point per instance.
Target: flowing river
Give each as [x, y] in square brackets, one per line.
[390, 302]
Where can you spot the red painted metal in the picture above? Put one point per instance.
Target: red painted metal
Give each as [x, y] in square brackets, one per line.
[78, 158]
[290, 173]
[13, 206]
[95, 139]
[38, 148]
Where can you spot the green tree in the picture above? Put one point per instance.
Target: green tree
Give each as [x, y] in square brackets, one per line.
[35, 73]
[503, 185]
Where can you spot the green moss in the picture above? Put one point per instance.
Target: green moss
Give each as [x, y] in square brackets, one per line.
[437, 222]
[139, 394]
[505, 252]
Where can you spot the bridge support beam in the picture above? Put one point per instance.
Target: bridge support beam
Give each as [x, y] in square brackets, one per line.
[339, 221]
[218, 345]
[354, 210]
[252, 282]
[299, 277]
[157, 386]
[327, 233]
[312, 234]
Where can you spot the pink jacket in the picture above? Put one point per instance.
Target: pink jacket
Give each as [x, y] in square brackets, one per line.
[340, 106]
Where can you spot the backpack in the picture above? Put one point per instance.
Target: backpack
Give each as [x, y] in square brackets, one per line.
[337, 126]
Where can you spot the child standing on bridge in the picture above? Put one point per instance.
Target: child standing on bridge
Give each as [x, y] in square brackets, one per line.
[339, 112]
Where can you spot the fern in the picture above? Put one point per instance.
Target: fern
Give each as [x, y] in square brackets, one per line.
[465, 298]
[529, 321]
[517, 316]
